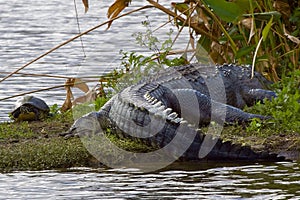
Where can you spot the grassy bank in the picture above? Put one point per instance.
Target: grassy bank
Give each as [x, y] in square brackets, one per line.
[35, 146]
[38, 146]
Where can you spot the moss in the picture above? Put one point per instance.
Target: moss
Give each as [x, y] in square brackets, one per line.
[43, 153]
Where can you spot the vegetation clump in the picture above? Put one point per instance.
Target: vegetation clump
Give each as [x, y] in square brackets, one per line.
[284, 110]
[262, 33]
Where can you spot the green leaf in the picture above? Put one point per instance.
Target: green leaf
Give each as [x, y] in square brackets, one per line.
[181, 7]
[202, 49]
[266, 30]
[244, 51]
[204, 42]
[265, 16]
[228, 11]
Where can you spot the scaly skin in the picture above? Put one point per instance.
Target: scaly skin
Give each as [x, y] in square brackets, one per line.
[170, 107]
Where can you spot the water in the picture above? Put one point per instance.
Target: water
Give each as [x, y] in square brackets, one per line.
[30, 28]
[257, 181]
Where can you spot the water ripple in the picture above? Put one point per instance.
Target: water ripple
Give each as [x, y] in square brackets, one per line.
[238, 183]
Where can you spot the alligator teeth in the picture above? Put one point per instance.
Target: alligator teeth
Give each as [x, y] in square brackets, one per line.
[167, 111]
[173, 115]
[158, 104]
[147, 97]
[177, 120]
[184, 122]
[153, 100]
[192, 126]
[153, 110]
[162, 109]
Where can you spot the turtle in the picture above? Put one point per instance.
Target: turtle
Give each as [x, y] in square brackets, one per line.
[30, 108]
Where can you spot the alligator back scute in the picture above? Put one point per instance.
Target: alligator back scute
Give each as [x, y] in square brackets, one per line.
[151, 111]
[156, 105]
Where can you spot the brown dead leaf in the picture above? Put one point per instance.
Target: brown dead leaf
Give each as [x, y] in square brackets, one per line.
[216, 53]
[247, 22]
[252, 31]
[77, 83]
[192, 41]
[87, 97]
[86, 5]
[116, 8]
[81, 85]
[69, 82]
[67, 105]
[290, 37]
[203, 18]
[196, 21]
[283, 7]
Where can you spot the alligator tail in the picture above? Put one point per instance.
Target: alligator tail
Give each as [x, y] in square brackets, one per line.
[227, 151]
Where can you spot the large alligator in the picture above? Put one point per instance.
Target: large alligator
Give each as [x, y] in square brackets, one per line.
[168, 109]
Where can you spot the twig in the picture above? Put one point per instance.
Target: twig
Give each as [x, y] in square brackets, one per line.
[44, 89]
[173, 14]
[169, 21]
[41, 75]
[48, 75]
[233, 45]
[70, 40]
[78, 26]
[173, 52]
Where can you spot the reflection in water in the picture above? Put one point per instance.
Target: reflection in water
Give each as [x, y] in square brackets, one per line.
[256, 181]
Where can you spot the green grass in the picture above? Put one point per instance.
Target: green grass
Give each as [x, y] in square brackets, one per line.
[284, 110]
[43, 154]
[15, 132]
[38, 146]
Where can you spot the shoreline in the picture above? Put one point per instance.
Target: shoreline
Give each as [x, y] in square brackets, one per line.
[38, 146]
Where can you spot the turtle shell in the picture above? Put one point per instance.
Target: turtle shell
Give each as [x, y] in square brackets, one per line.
[36, 109]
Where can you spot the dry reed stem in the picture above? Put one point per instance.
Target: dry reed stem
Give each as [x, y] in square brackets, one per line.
[38, 75]
[47, 75]
[70, 40]
[45, 89]
[173, 14]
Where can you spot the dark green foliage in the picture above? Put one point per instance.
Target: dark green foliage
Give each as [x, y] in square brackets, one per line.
[285, 109]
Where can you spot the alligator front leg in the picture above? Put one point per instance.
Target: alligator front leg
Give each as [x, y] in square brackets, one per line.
[194, 105]
[254, 95]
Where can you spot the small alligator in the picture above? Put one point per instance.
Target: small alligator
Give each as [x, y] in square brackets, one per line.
[171, 106]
